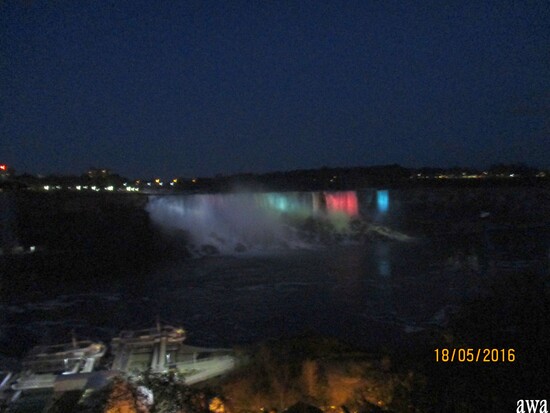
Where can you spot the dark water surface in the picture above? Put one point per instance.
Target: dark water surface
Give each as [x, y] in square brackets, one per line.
[375, 292]
[369, 293]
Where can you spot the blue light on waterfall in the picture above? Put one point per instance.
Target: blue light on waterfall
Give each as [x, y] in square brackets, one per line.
[383, 200]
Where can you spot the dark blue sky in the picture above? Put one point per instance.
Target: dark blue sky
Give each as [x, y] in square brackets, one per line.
[165, 88]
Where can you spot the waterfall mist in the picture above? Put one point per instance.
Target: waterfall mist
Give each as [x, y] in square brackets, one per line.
[239, 222]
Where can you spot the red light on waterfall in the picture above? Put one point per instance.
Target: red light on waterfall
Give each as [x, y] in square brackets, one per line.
[345, 202]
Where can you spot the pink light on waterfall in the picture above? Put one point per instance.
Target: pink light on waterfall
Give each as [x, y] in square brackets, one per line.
[345, 202]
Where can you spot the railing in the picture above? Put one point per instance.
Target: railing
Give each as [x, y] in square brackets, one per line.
[149, 336]
[152, 332]
[34, 382]
[87, 347]
[6, 379]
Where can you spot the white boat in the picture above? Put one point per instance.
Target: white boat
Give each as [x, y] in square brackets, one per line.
[161, 349]
[55, 369]
[69, 358]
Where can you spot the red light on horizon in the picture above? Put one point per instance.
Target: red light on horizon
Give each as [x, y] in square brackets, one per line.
[3, 167]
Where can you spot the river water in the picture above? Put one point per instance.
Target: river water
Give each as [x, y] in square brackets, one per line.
[378, 290]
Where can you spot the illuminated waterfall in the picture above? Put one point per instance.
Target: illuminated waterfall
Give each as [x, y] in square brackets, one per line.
[227, 223]
[247, 222]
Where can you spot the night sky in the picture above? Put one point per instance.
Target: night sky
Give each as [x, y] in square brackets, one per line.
[185, 88]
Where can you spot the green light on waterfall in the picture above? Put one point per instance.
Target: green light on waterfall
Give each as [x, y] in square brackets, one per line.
[279, 202]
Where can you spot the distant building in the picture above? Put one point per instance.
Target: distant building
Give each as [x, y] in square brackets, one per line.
[103, 178]
[98, 173]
